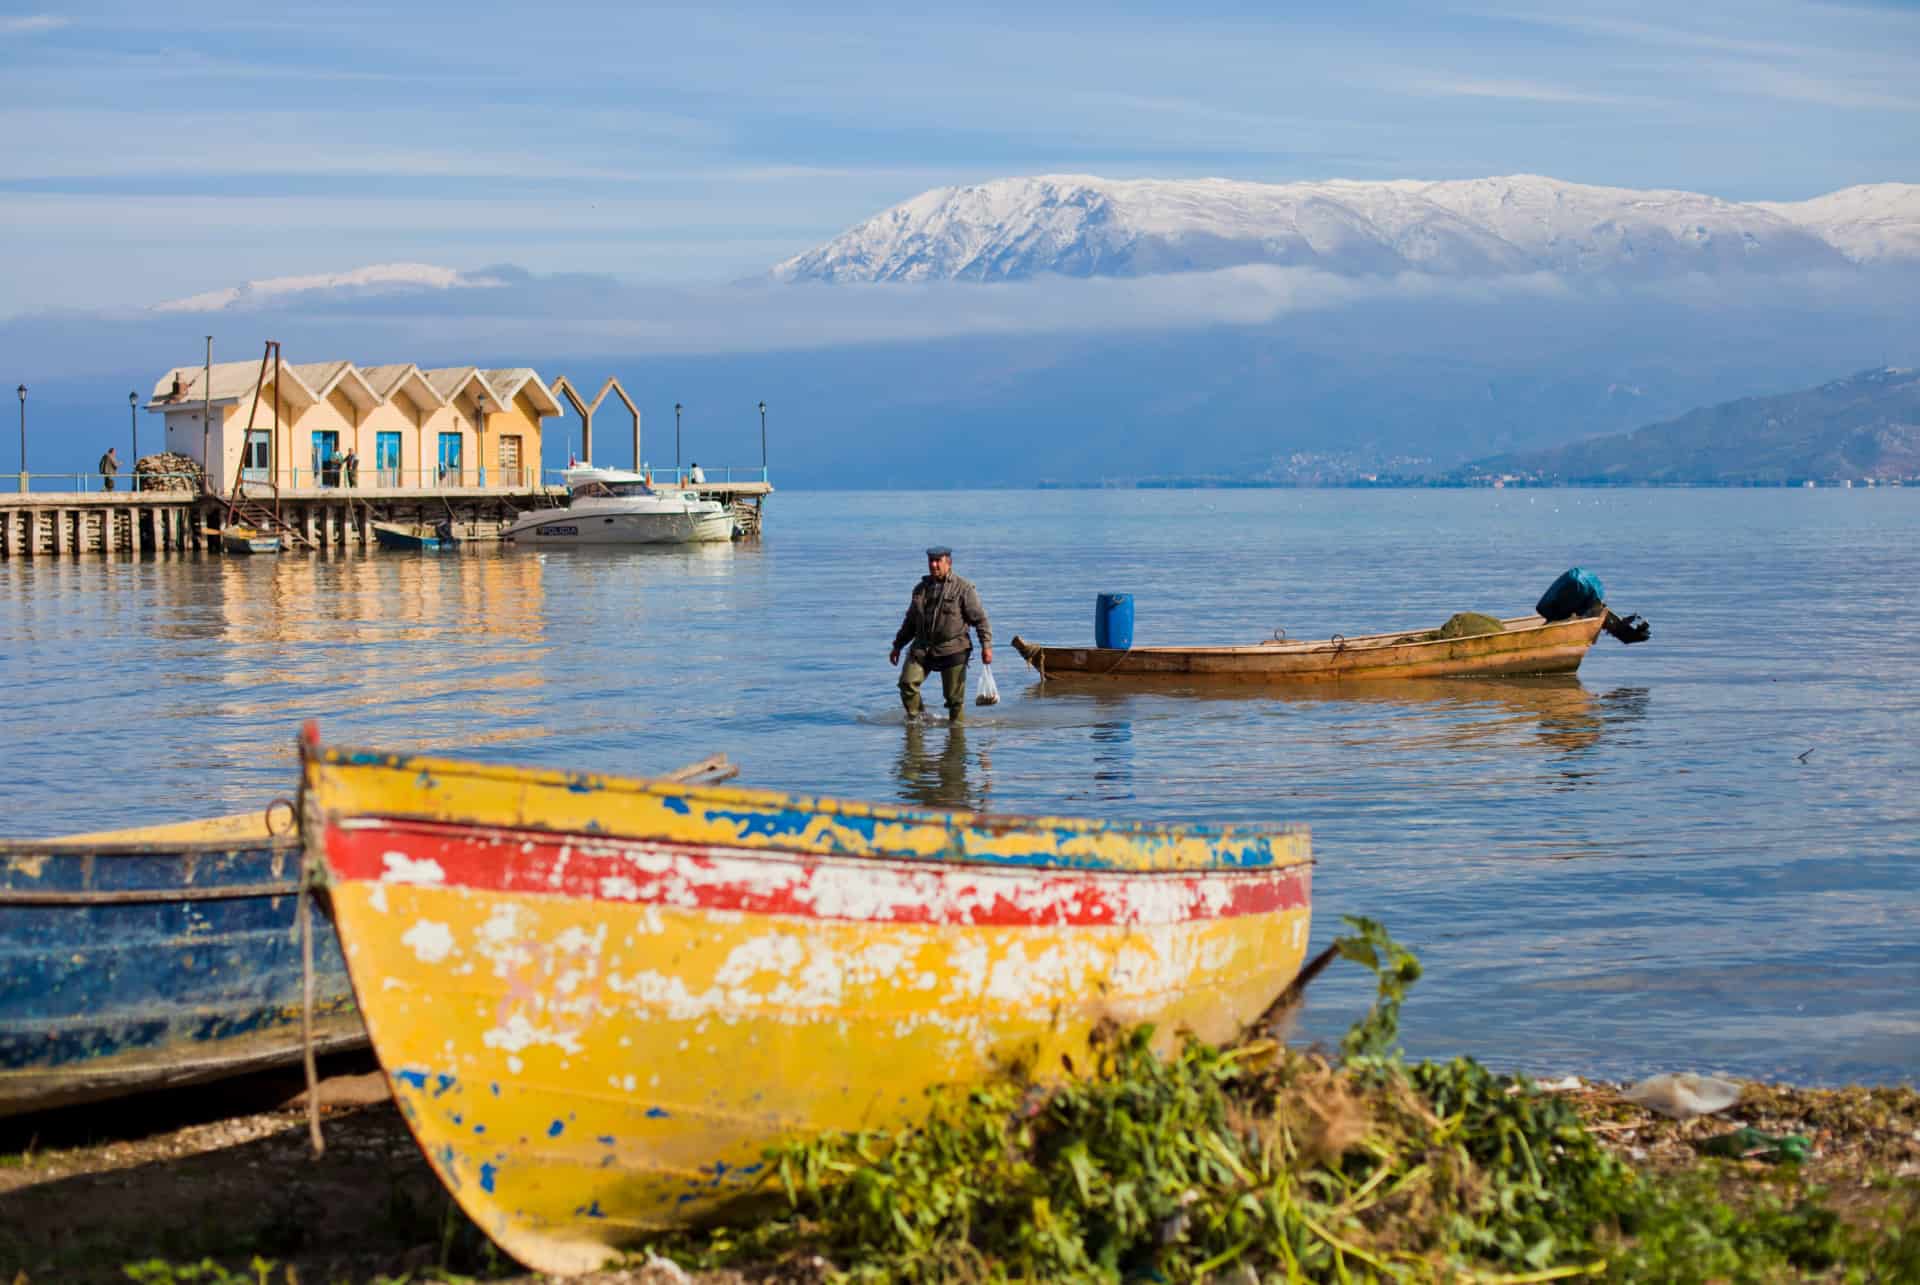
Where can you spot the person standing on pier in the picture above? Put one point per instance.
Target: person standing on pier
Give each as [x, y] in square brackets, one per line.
[939, 614]
[109, 466]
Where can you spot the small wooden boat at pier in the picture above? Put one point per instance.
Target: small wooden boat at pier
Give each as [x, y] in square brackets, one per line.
[599, 1000]
[414, 537]
[151, 958]
[1522, 645]
[247, 539]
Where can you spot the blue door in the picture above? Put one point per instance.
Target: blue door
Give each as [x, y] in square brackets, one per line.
[450, 459]
[326, 457]
[386, 458]
[256, 457]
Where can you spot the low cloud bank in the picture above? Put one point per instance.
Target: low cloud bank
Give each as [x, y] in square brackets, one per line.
[524, 317]
[1229, 373]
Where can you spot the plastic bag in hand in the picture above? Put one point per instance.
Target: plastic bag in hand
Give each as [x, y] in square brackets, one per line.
[988, 692]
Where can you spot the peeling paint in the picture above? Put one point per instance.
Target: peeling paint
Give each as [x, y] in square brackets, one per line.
[736, 967]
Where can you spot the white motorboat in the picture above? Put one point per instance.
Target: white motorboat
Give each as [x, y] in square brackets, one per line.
[611, 506]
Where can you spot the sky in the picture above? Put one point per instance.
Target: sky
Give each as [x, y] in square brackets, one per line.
[149, 152]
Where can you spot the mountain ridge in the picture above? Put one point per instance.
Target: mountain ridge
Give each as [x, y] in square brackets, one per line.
[1863, 427]
[1085, 226]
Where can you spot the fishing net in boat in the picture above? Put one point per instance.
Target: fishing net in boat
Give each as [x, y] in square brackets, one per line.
[1468, 624]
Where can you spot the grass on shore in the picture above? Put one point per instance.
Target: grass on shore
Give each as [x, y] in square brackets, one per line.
[1253, 1163]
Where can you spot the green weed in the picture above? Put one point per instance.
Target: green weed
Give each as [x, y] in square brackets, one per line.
[1279, 1166]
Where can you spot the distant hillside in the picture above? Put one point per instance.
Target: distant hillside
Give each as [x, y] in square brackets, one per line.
[1866, 426]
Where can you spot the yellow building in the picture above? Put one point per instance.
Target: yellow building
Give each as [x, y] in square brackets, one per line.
[406, 428]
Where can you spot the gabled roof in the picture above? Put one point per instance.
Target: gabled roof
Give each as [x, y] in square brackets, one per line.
[451, 381]
[507, 383]
[325, 376]
[404, 376]
[233, 381]
[306, 383]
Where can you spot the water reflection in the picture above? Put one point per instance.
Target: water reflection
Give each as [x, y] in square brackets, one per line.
[936, 775]
[1428, 713]
[451, 644]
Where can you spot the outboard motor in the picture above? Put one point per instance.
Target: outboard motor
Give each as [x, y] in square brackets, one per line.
[1578, 592]
[1631, 629]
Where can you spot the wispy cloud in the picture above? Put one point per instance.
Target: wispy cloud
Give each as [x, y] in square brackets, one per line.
[28, 24]
[1650, 33]
[1531, 91]
[1802, 87]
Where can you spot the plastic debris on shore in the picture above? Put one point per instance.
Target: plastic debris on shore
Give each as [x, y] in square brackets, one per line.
[1748, 1143]
[1684, 1095]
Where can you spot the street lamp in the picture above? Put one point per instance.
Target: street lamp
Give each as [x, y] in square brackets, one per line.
[676, 436]
[133, 422]
[480, 431]
[22, 390]
[763, 441]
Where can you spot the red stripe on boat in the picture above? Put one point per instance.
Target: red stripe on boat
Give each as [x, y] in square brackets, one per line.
[698, 876]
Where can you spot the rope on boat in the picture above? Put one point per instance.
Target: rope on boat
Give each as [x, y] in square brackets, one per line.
[306, 1011]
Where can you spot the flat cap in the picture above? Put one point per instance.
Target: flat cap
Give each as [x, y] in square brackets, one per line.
[939, 551]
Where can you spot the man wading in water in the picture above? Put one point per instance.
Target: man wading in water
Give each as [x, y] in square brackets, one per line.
[942, 608]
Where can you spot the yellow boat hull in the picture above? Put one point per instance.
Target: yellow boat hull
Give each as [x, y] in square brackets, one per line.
[601, 1001]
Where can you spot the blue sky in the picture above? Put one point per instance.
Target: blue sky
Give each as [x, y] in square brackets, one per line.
[149, 152]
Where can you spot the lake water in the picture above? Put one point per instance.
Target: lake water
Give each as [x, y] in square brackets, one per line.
[1701, 854]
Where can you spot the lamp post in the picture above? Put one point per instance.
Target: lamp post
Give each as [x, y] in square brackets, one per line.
[133, 423]
[22, 390]
[763, 441]
[480, 431]
[676, 437]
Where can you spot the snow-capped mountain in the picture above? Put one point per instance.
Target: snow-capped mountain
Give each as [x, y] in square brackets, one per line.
[1081, 226]
[380, 278]
[1869, 224]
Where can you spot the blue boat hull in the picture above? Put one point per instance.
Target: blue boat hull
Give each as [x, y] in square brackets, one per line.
[408, 541]
[128, 967]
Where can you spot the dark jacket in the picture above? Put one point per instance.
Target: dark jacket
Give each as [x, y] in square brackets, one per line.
[938, 616]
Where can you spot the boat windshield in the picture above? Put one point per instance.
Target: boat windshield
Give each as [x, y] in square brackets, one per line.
[615, 489]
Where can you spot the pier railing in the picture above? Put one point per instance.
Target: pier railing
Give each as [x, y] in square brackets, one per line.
[299, 479]
[678, 477]
[88, 483]
[365, 479]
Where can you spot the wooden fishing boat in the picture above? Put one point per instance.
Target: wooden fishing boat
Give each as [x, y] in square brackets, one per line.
[151, 958]
[246, 539]
[599, 1000]
[1524, 645]
[413, 537]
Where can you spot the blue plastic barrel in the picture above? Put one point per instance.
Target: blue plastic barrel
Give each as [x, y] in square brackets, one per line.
[1113, 620]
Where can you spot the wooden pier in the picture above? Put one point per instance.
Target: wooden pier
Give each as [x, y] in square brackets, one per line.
[135, 522]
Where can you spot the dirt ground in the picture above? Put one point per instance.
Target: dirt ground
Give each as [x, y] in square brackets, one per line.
[226, 1173]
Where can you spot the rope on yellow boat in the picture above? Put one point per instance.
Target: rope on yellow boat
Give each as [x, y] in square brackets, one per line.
[306, 1012]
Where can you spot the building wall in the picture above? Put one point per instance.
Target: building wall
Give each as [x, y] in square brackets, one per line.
[457, 418]
[419, 428]
[398, 414]
[523, 421]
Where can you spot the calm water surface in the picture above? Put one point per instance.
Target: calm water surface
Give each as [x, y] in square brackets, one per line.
[1701, 854]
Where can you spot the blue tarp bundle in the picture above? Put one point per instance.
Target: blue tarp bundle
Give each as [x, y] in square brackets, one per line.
[1576, 593]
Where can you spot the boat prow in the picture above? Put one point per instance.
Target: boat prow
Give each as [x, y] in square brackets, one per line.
[599, 1001]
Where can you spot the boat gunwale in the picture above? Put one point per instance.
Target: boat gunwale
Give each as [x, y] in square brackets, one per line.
[826, 805]
[62, 847]
[1512, 626]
